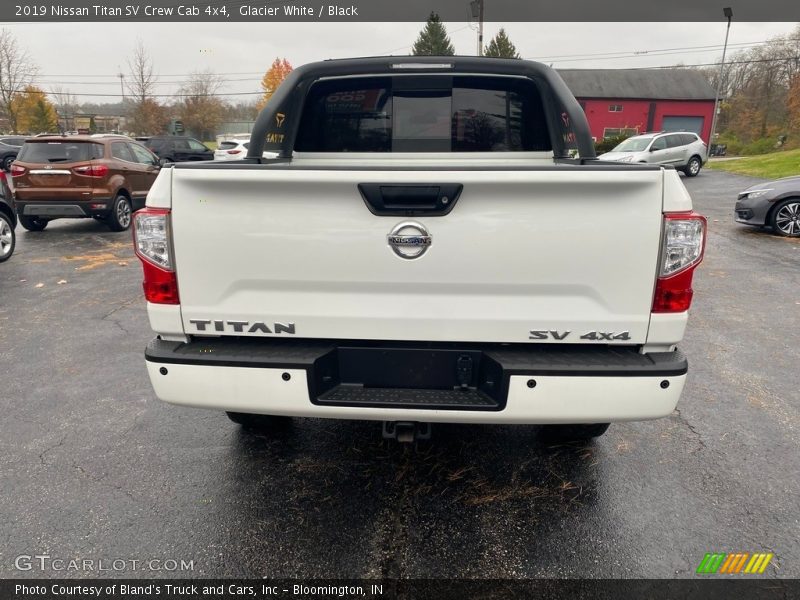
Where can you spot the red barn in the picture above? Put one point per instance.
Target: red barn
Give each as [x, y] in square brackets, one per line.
[631, 101]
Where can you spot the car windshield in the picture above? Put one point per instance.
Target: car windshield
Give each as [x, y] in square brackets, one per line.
[633, 144]
[227, 145]
[54, 152]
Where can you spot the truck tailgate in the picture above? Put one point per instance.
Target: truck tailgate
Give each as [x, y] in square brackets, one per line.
[554, 250]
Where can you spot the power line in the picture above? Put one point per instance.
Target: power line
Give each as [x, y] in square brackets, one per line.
[222, 95]
[159, 75]
[118, 77]
[562, 58]
[655, 51]
[172, 95]
[387, 52]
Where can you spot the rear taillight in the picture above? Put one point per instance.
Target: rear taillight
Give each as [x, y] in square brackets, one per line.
[92, 170]
[152, 240]
[17, 171]
[682, 247]
[234, 151]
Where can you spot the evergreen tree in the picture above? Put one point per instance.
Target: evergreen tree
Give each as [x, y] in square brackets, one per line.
[433, 40]
[501, 47]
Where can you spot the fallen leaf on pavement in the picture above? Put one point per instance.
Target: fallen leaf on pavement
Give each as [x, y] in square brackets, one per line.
[62, 281]
[38, 285]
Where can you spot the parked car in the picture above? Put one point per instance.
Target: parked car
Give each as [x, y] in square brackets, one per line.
[774, 203]
[685, 151]
[231, 149]
[9, 148]
[8, 220]
[178, 148]
[106, 178]
[236, 150]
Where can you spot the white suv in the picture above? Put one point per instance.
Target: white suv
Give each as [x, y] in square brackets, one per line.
[684, 151]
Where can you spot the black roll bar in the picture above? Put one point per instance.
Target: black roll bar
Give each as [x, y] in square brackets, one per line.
[276, 127]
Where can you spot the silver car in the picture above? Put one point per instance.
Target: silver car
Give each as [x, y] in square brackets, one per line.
[685, 151]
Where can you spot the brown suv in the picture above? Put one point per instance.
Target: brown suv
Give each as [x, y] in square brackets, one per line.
[104, 177]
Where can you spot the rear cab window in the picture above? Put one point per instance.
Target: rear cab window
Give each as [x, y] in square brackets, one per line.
[424, 114]
[59, 152]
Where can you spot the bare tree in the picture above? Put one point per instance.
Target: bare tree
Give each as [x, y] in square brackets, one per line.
[142, 81]
[202, 109]
[17, 71]
[147, 116]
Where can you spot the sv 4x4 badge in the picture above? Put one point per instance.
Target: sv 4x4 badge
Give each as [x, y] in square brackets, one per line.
[540, 334]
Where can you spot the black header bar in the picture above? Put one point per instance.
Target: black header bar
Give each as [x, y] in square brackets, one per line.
[265, 11]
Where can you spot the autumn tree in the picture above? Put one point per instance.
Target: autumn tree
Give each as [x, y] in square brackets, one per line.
[501, 47]
[200, 106]
[146, 115]
[16, 73]
[433, 39]
[34, 112]
[757, 89]
[274, 76]
[793, 103]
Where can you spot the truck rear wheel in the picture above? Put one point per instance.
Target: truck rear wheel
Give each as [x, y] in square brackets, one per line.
[574, 433]
[262, 422]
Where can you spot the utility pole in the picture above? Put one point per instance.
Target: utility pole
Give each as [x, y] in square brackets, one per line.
[121, 76]
[477, 13]
[728, 12]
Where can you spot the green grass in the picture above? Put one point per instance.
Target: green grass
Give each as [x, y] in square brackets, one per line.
[769, 166]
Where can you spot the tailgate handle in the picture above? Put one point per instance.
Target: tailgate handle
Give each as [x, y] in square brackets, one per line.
[408, 200]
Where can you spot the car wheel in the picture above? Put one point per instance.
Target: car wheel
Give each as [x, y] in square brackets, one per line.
[785, 218]
[574, 433]
[693, 167]
[33, 223]
[8, 239]
[120, 217]
[259, 422]
[7, 162]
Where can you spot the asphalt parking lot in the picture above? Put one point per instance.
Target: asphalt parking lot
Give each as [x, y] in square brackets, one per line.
[92, 466]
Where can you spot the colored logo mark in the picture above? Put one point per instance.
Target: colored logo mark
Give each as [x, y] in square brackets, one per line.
[741, 562]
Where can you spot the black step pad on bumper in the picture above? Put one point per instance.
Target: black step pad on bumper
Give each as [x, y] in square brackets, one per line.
[457, 399]
[441, 376]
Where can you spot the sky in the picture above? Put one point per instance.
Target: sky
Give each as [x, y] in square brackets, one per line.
[86, 58]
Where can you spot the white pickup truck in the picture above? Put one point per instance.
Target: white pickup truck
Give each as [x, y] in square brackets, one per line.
[435, 242]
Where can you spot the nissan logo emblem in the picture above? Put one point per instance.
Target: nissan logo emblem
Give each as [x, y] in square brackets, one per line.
[409, 240]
